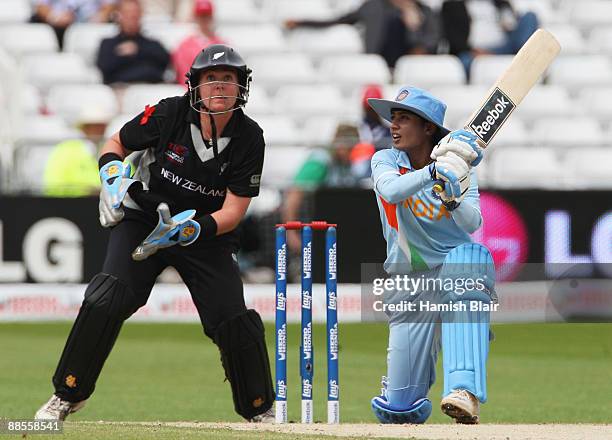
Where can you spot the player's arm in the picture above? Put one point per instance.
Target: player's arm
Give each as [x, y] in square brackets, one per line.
[231, 213]
[390, 184]
[467, 215]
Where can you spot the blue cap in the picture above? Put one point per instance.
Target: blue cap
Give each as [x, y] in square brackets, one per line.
[414, 100]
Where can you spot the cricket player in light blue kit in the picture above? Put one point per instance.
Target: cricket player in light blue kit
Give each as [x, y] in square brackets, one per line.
[429, 233]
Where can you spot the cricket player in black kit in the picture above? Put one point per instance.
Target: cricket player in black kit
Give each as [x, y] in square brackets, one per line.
[199, 165]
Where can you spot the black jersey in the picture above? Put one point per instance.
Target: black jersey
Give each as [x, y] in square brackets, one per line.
[183, 170]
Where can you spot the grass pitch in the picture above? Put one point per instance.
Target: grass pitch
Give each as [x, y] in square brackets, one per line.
[538, 373]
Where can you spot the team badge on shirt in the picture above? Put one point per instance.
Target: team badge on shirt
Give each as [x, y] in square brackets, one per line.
[402, 95]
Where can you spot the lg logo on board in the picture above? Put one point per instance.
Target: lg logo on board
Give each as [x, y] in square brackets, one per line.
[52, 252]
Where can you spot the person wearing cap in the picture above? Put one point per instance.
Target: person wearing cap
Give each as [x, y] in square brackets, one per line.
[428, 239]
[373, 134]
[200, 164]
[324, 167]
[183, 55]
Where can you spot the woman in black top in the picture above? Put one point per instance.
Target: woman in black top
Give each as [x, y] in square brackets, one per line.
[199, 164]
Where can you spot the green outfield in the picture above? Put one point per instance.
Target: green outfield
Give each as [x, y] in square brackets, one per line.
[538, 373]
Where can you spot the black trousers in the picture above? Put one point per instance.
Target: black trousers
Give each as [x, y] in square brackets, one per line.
[211, 275]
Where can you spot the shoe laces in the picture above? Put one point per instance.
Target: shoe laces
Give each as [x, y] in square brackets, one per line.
[384, 382]
[58, 404]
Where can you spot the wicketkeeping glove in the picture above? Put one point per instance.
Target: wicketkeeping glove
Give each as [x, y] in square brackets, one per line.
[180, 229]
[115, 178]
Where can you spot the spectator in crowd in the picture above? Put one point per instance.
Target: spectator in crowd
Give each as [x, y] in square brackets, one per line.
[72, 167]
[62, 13]
[324, 167]
[392, 27]
[374, 134]
[479, 27]
[184, 54]
[130, 57]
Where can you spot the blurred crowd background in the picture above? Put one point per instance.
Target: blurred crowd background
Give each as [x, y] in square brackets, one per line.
[73, 71]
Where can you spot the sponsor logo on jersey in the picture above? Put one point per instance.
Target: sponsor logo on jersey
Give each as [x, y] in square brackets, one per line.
[255, 179]
[176, 153]
[492, 115]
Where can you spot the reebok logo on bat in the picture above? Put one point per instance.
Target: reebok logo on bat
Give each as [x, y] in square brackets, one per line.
[492, 116]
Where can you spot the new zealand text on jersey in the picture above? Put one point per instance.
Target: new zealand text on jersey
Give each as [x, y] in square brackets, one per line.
[190, 185]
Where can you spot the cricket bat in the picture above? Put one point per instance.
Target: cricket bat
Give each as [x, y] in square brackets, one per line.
[527, 66]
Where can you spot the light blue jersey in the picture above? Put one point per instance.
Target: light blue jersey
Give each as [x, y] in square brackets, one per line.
[418, 228]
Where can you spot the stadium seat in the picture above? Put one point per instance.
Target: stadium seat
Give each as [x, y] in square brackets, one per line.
[137, 96]
[46, 70]
[237, 12]
[282, 164]
[32, 102]
[28, 38]
[280, 130]
[281, 10]
[590, 168]
[29, 166]
[581, 71]
[42, 129]
[544, 9]
[311, 100]
[597, 102]
[252, 40]
[487, 68]
[570, 38]
[591, 13]
[71, 101]
[116, 123]
[15, 11]
[319, 130]
[84, 39]
[274, 70]
[349, 71]
[522, 167]
[169, 35]
[339, 39]
[429, 70]
[577, 132]
[600, 40]
[259, 101]
[513, 133]
[461, 102]
[544, 101]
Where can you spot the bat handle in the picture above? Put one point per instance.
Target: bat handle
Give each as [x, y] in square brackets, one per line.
[438, 186]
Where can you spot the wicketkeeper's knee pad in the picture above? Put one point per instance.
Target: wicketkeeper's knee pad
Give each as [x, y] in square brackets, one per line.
[108, 302]
[417, 413]
[245, 359]
[465, 331]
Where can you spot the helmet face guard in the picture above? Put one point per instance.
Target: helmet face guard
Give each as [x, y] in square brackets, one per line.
[218, 56]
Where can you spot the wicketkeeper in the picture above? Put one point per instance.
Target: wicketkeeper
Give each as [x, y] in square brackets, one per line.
[428, 235]
[199, 165]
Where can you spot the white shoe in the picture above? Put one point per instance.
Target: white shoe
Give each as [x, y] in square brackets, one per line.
[268, 417]
[462, 406]
[58, 409]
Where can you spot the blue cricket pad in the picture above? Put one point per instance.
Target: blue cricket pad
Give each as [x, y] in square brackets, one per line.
[465, 347]
[417, 413]
[470, 261]
[465, 334]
